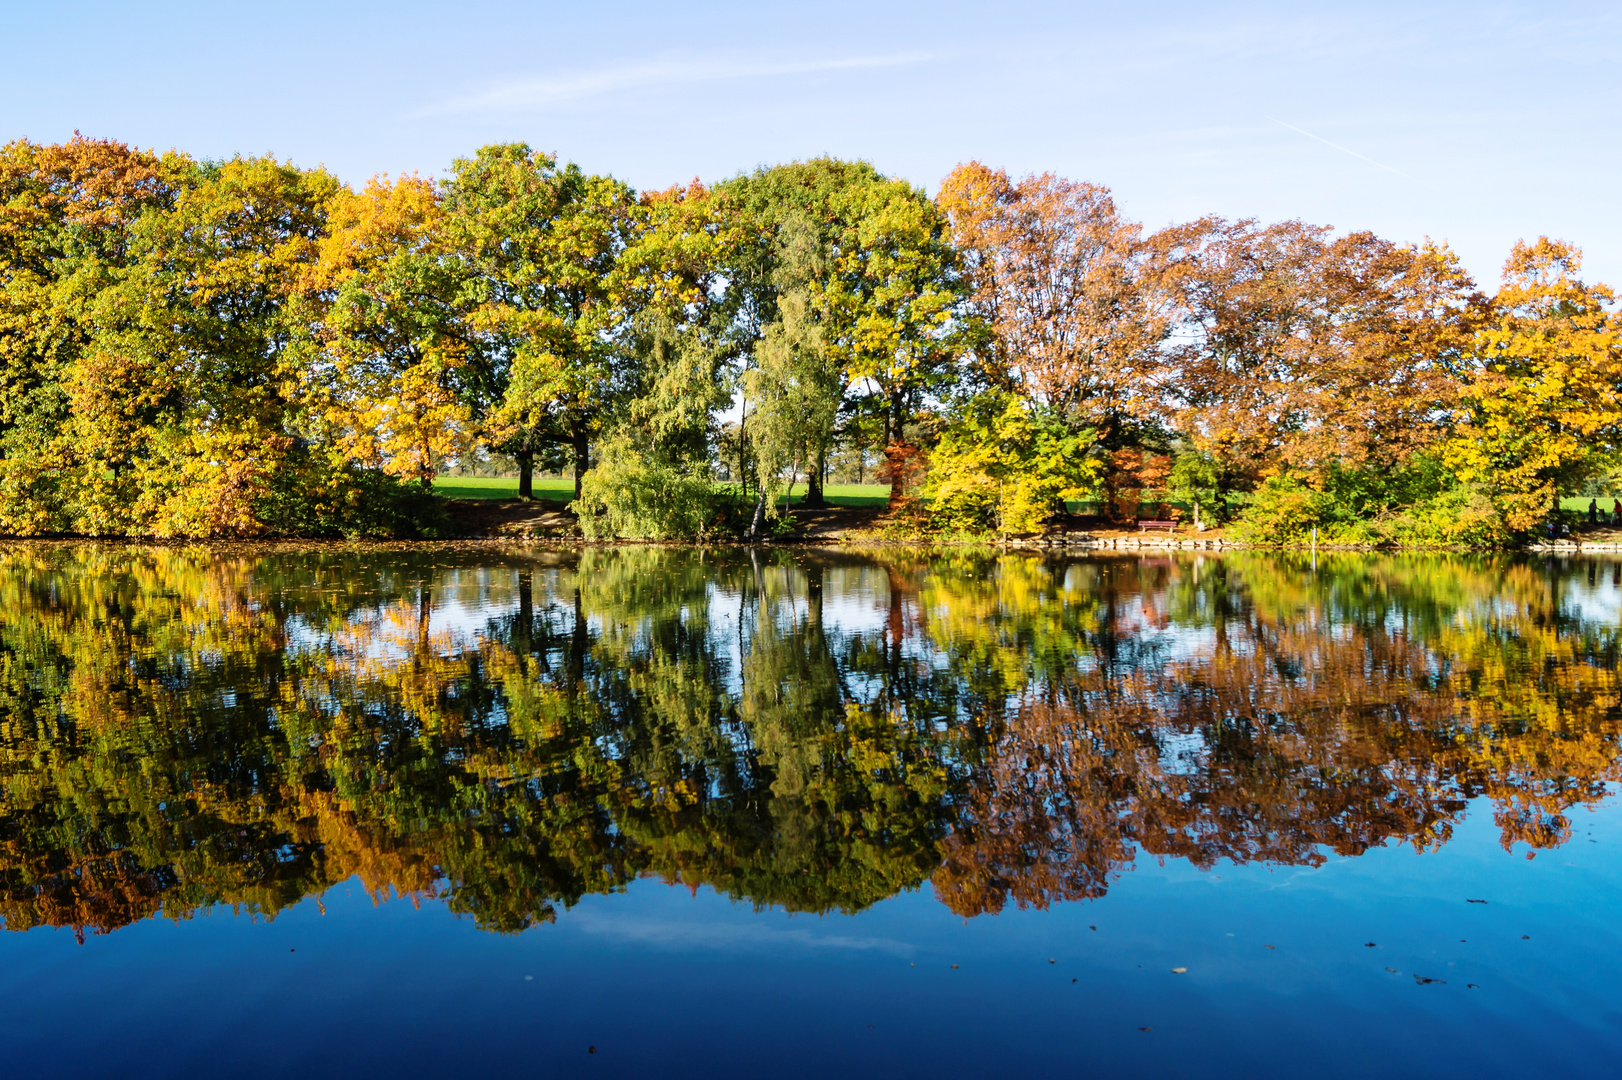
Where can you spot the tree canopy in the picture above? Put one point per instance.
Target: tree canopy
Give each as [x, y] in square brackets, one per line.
[244, 347]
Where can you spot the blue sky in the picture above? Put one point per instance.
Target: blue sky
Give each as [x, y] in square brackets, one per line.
[1470, 123]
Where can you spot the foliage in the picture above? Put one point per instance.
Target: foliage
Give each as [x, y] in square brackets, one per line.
[535, 246]
[630, 495]
[242, 348]
[1006, 465]
[1422, 505]
[1196, 479]
[1066, 293]
[1546, 405]
[384, 387]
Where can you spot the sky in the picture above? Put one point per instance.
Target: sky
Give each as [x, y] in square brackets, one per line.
[1471, 123]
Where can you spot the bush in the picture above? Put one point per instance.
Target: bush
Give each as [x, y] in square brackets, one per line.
[1002, 465]
[1285, 510]
[628, 496]
[1360, 507]
[1458, 516]
[311, 496]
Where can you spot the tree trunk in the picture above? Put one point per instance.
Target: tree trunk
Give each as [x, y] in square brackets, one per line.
[743, 454]
[524, 624]
[580, 448]
[526, 473]
[895, 464]
[813, 482]
[893, 454]
[760, 515]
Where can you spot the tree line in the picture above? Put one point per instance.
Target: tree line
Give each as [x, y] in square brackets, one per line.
[216, 348]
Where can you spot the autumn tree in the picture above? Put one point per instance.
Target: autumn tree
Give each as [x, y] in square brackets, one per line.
[537, 244]
[66, 218]
[1298, 350]
[1545, 408]
[853, 293]
[383, 382]
[1065, 287]
[185, 393]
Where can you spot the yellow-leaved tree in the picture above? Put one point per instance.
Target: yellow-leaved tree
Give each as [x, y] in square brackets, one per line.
[1544, 410]
[383, 384]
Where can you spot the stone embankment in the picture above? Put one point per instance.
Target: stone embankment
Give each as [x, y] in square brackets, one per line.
[1123, 543]
[1576, 547]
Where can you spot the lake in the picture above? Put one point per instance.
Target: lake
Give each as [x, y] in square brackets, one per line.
[274, 811]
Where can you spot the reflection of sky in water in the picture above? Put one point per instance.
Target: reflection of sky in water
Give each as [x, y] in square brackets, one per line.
[856, 601]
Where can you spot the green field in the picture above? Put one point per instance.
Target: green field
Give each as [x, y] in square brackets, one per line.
[562, 490]
[551, 488]
[1578, 504]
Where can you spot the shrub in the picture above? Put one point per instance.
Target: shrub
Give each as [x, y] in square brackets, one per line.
[312, 496]
[1349, 509]
[1004, 465]
[629, 496]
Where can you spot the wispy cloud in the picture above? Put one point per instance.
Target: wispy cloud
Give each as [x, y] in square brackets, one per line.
[1354, 153]
[529, 94]
[729, 937]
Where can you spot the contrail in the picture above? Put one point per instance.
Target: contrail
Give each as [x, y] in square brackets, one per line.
[1345, 150]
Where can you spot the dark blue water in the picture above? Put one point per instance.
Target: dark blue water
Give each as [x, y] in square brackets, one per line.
[1260, 699]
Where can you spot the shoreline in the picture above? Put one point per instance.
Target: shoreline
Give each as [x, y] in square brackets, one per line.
[1041, 545]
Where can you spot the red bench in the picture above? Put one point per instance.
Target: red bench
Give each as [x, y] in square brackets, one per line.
[1168, 526]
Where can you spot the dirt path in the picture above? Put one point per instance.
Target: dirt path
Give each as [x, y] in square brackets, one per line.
[514, 518]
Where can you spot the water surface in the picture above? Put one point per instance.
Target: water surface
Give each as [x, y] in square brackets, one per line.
[806, 813]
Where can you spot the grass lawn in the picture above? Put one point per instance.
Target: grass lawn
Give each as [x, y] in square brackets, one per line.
[562, 490]
[1580, 502]
[847, 494]
[549, 488]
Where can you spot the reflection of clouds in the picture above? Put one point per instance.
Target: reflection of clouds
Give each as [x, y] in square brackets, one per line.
[726, 937]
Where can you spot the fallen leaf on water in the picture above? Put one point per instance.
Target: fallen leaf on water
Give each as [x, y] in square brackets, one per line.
[1473, 986]
[1179, 971]
[1269, 946]
[1092, 928]
[1526, 937]
[1368, 945]
[1422, 981]
[591, 1049]
[1475, 901]
[1393, 971]
[1146, 1029]
[1072, 980]
[1052, 961]
[954, 965]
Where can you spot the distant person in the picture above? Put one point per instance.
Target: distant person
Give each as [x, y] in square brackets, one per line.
[1593, 511]
[1616, 511]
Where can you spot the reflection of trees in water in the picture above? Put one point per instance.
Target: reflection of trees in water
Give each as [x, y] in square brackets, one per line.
[182, 728]
[1327, 711]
